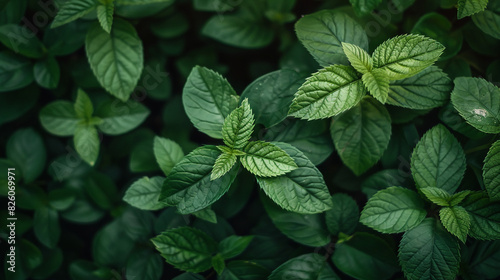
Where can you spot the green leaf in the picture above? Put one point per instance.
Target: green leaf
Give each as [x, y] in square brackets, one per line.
[478, 102]
[238, 31]
[359, 58]
[206, 214]
[244, 270]
[406, 55]
[323, 32]
[188, 186]
[484, 216]
[344, 215]
[266, 159]
[105, 14]
[305, 267]
[144, 193]
[488, 21]
[186, 248]
[437, 196]
[327, 93]
[141, 2]
[83, 105]
[142, 158]
[429, 251]
[46, 226]
[233, 245]
[15, 71]
[72, 10]
[363, 7]
[459, 197]
[238, 126]
[362, 134]
[365, 256]
[456, 220]
[303, 190]
[428, 89]
[270, 95]
[393, 210]
[167, 153]
[116, 58]
[171, 27]
[218, 264]
[469, 7]
[61, 198]
[119, 117]
[438, 160]
[208, 99]
[21, 40]
[87, 143]
[491, 171]
[59, 118]
[222, 165]
[101, 189]
[146, 264]
[47, 72]
[384, 179]
[377, 83]
[26, 149]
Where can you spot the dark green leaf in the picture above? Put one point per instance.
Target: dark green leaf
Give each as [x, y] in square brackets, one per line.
[244, 270]
[488, 21]
[364, 7]
[21, 40]
[305, 267]
[26, 149]
[15, 71]
[344, 215]
[47, 73]
[46, 226]
[233, 245]
[484, 216]
[491, 171]
[145, 264]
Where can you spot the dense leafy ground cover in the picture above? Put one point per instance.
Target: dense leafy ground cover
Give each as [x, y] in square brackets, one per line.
[266, 139]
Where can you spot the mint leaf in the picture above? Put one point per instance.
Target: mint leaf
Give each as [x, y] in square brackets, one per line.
[438, 160]
[116, 58]
[59, 118]
[305, 267]
[72, 10]
[484, 216]
[83, 105]
[478, 102]
[47, 72]
[377, 83]
[459, 197]
[118, 117]
[327, 93]
[105, 14]
[393, 210]
[146, 263]
[218, 264]
[222, 165]
[144, 193]
[244, 270]
[21, 40]
[265, 159]
[491, 171]
[406, 55]
[456, 220]
[429, 251]
[188, 186]
[323, 32]
[26, 150]
[238, 126]
[302, 190]
[363, 7]
[46, 226]
[233, 245]
[208, 99]
[359, 58]
[186, 248]
[206, 214]
[15, 71]
[344, 215]
[167, 153]
[467, 8]
[142, 2]
[437, 196]
[426, 90]
[362, 134]
[87, 143]
[489, 19]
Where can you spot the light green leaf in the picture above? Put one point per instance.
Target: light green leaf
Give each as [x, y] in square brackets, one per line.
[47, 72]
[359, 58]
[188, 186]
[119, 117]
[377, 83]
[428, 89]
[87, 143]
[327, 93]
[218, 264]
[456, 220]
[46, 226]
[438, 160]
[489, 20]
[144, 193]
[362, 134]
[305, 267]
[83, 106]
[72, 10]
[21, 40]
[238, 126]
[478, 102]
[459, 197]
[206, 214]
[167, 153]
[15, 71]
[222, 165]
[302, 190]
[186, 248]
[363, 7]
[344, 215]
[323, 32]
[105, 14]
[393, 210]
[484, 216]
[234, 245]
[437, 196]
[26, 149]
[266, 159]
[406, 55]
[469, 7]
[491, 171]
[208, 99]
[429, 251]
[116, 58]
